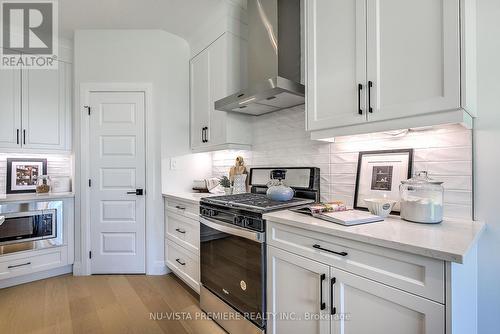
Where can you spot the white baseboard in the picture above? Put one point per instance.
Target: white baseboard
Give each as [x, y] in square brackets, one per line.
[158, 268]
[78, 269]
[36, 276]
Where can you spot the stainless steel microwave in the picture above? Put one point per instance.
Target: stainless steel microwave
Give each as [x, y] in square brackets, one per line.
[30, 223]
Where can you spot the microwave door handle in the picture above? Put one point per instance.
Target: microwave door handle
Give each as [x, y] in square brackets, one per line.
[233, 230]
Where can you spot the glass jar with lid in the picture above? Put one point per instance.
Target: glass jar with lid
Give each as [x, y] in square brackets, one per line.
[422, 199]
[42, 184]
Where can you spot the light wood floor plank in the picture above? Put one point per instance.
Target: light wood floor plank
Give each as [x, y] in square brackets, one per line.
[102, 304]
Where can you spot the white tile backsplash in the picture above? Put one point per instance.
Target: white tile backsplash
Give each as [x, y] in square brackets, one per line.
[280, 140]
[57, 165]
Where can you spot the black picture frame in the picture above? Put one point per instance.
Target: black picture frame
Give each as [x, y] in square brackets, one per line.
[409, 151]
[9, 187]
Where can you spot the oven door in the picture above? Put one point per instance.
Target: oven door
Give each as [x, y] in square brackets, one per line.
[233, 266]
[27, 226]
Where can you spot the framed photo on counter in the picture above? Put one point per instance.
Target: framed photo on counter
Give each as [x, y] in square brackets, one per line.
[22, 174]
[379, 175]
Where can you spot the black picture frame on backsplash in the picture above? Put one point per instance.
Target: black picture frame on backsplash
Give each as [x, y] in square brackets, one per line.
[24, 170]
[390, 179]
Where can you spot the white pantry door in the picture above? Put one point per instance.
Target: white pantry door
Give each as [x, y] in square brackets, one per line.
[117, 169]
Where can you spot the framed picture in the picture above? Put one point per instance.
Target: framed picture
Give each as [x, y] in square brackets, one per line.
[23, 173]
[379, 175]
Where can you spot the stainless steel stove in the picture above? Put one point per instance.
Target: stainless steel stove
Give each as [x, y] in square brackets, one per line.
[233, 250]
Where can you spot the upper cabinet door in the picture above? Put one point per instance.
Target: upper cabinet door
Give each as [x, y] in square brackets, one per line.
[10, 108]
[413, 57]
[46, 108]
[336, 63]
[378, 309]
[200, 98]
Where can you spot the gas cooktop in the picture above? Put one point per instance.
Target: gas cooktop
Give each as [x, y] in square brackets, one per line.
[255, 202]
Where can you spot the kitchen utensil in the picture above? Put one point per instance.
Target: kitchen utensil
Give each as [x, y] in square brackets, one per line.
[422, 199]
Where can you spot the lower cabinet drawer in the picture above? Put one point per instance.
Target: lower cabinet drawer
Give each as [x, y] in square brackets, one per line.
[412, 273]
[185, 231]
[182, 208]
[43, 260]
[183, 263]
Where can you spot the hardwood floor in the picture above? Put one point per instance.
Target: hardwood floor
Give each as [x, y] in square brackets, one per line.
[103, 304]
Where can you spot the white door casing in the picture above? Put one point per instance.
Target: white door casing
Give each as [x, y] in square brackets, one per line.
[117, 165]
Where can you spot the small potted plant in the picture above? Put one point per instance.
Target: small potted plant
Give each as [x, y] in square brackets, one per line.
[226, 184]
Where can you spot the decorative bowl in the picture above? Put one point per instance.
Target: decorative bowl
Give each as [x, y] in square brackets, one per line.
[380, 206]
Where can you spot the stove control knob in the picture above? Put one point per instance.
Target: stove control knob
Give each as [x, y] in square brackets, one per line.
[245, 221]
[212, 213]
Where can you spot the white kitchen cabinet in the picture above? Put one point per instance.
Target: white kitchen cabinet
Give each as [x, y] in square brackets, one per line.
[46, 108]
[351, 304]
[397, 61]
[10, 108]
[182, 240]
[413, 57]
[298, 288]
[217, 72]
[336, 63]
[35, 108]
[364, 306]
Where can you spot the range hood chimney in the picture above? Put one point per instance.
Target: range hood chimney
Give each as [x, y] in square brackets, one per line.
[274, 60]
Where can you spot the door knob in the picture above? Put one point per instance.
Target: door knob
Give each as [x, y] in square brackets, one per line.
[138, 192]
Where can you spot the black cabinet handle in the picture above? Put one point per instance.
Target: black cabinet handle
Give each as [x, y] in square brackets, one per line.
[19, 265]
[332, 283]
[17, 136]
[322, 304]
[330, 251]
[180, 231]
[180, 207]
[204, 134]
[370, 85]
[179, 262]
[24, 137]
[360, 88]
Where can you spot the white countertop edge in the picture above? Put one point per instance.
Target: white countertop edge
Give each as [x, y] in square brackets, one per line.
[35, 197]
[193, 198]
[344, 232]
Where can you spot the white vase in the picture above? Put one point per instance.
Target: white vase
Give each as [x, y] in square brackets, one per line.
[240, 185]
[228, 191]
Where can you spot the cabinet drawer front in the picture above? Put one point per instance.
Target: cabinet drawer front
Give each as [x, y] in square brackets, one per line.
[182, 208]
[183, 263]
[415, 274]
[31, 264]
[185, 231]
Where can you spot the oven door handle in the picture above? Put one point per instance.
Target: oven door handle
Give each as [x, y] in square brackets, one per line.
[233, 230]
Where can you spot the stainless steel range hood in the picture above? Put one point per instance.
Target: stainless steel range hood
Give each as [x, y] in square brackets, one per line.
[274, 59]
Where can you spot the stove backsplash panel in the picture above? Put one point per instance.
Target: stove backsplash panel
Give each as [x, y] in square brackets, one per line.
[280, 140]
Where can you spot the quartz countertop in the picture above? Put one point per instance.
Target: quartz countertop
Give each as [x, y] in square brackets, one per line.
[449, 241]
[193, 198]
[34, 197]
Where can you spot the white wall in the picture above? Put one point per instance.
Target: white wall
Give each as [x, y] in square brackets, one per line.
[487, 164]
[148, 56]
[280, 140]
